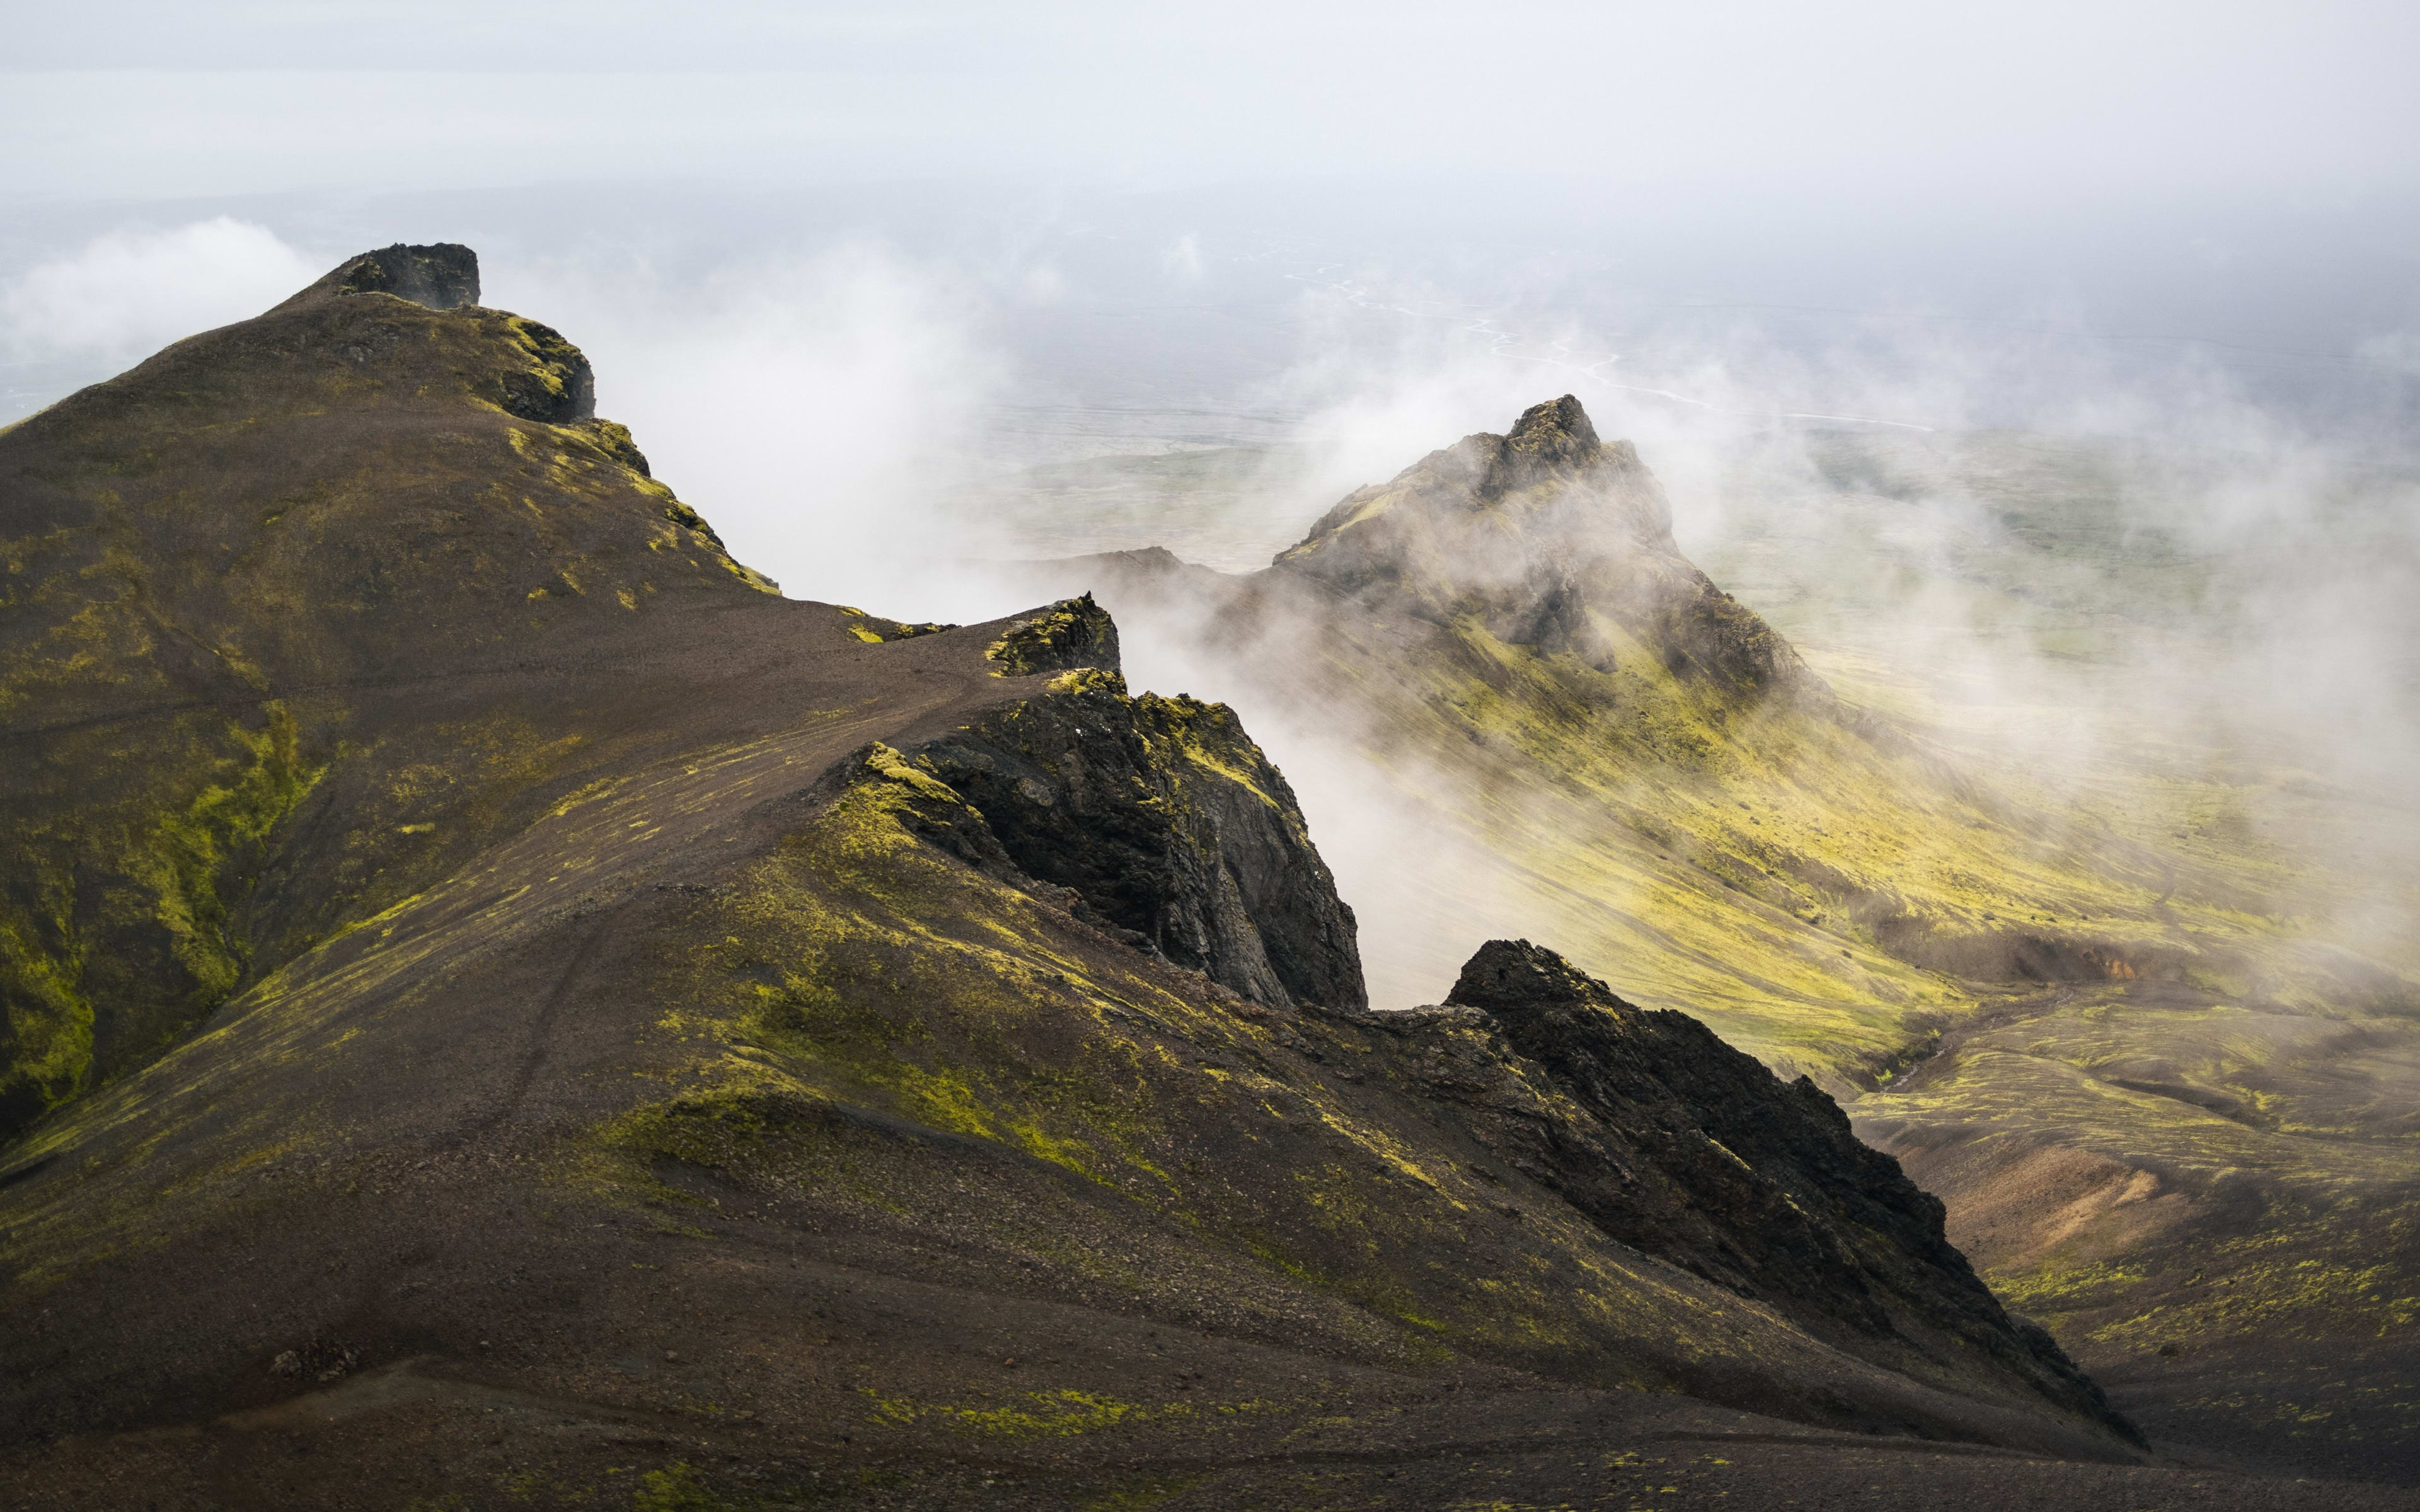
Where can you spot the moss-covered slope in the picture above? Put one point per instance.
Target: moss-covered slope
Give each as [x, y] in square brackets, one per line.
[346, 543]
[740, 1024]
[639, 993]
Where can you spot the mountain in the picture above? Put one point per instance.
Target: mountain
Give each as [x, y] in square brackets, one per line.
[505, 1008]
[2140, 1045]
[1546, 538]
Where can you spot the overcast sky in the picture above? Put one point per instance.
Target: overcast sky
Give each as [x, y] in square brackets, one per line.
[907, 243]
[1123, 203]
[2049, 102]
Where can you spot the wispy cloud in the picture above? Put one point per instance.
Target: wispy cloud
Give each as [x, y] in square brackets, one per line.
[815, 408]
[127, 293]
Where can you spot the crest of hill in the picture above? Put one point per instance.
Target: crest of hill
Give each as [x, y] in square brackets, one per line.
[378, 506]
[316, 607]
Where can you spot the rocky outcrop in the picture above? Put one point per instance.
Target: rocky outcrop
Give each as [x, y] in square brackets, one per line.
[439, 276]
[550, 380]
[1554, 539]
[1674, 1143]
[1161, 820]
[1072, 633]
[553, 383]
[1157, 819]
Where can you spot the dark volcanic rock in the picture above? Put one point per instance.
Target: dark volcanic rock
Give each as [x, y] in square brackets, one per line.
[439, 276]
[1675, 1143]
[1170, 823]
[1073, 633]
[555, 385]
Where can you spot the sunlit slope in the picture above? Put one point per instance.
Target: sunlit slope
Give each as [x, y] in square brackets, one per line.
[1821, 890]
[2215, 654]
[2131, 986]
[1525, 661]
[2207, 1185]
[2072, 861]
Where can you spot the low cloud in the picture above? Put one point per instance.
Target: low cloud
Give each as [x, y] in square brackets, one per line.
[1182, 259]
[817, 408]
[128, 293]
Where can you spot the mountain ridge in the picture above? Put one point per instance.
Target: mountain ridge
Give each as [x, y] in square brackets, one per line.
[626, 974]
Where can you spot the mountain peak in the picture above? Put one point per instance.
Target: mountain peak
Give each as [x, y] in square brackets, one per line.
[1511, 973]
[441, 276]
[1553, 537]
[1555, 433]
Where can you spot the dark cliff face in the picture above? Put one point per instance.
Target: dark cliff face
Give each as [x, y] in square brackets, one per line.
[1157, 819]
[1673, 1142]
[1554, 539]
[1168, 824]
[439, 277]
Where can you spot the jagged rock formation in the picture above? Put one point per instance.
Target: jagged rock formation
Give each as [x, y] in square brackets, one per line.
[439, 276]
[1552, 538]
[1672, 1141]
[1159, 818]
[1078, 633]
[623, 989]
[1167, 821]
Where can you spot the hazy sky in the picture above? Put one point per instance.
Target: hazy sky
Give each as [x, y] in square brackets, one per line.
[2048, 102]
[1943, 213]
[833, 261]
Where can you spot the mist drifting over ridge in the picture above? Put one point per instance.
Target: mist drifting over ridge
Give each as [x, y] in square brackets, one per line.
[2037, 387]
[863, 412]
